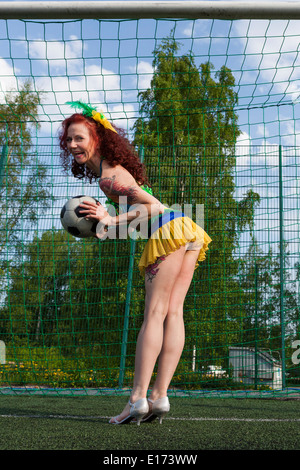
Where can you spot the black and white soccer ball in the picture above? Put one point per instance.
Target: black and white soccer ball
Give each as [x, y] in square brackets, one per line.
[73, 220]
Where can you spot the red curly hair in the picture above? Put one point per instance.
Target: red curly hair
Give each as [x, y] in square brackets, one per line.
[115, 148]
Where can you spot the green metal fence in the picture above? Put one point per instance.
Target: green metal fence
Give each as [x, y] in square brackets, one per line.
[71, 308]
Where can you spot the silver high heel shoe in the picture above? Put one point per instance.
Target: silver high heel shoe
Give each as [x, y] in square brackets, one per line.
[160, 408]
[137, 411]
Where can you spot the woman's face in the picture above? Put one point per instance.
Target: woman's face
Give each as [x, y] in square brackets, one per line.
[81, 144]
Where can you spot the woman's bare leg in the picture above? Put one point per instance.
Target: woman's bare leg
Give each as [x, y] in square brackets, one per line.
[151, 337]
[150, 340]
[174, 332]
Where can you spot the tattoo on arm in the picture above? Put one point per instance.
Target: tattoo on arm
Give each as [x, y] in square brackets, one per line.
[152, 269]
[112, 188]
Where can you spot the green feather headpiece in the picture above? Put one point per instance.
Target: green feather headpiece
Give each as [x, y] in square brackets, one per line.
[87, 110]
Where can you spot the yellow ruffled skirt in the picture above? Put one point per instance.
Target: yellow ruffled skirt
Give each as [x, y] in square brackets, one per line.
[181, 231]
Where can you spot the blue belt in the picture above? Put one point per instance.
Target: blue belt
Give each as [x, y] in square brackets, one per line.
[162, 220]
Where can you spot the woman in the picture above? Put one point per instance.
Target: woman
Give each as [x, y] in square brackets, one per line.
[92, 148]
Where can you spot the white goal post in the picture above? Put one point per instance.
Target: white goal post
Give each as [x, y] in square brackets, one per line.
[149, 9]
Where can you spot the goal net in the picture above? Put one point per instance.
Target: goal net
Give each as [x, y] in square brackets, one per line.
[212, 106]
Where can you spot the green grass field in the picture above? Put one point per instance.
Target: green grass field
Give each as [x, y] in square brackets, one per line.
[193, 424]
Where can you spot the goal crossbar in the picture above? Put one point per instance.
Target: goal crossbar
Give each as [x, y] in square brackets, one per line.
[149, 9]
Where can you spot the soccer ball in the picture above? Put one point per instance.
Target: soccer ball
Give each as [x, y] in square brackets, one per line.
[73, 220]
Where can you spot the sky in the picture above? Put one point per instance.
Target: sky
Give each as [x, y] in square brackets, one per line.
[108, 63]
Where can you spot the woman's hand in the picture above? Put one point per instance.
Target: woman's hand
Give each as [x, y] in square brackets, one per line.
[95, 211]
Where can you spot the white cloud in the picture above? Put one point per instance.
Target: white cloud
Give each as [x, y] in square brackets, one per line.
[8, 80]
[145, 74]
[272, 50]
[55, 50]
[242, 150]
[69, 70]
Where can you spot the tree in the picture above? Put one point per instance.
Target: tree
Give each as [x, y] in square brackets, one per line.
[258, 320]
[188, 129]
[185, 105]
[66, 292]
[23, 190]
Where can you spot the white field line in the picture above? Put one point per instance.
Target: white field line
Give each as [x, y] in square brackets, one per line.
[246, 420]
